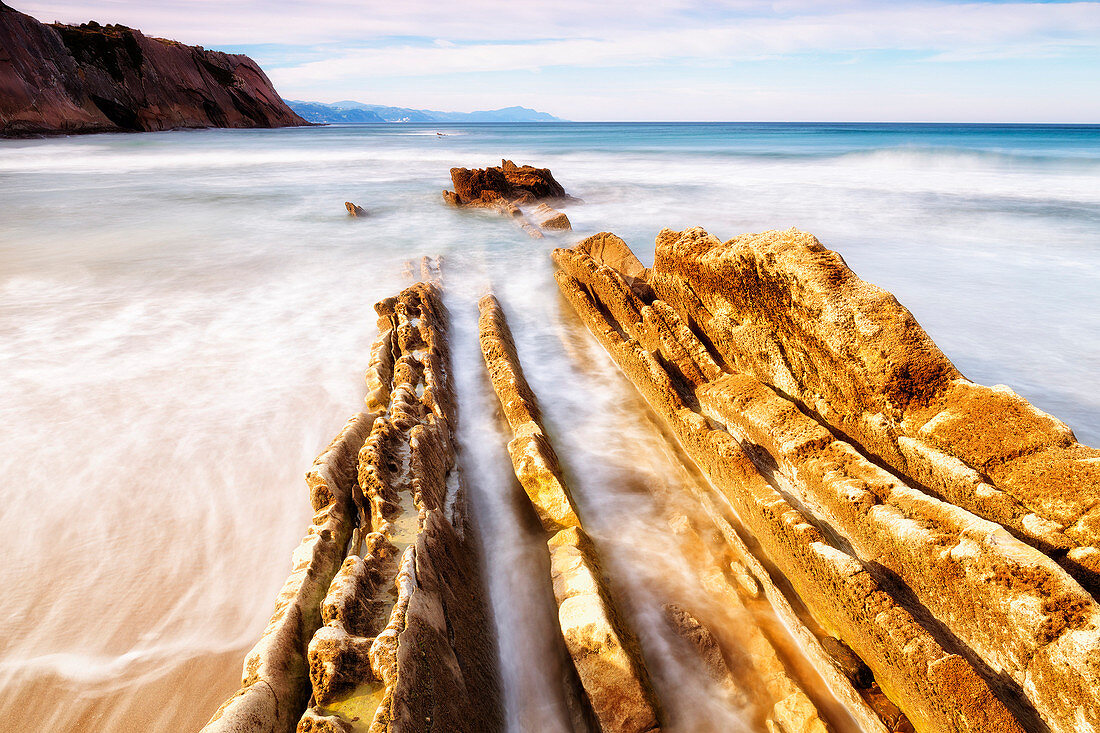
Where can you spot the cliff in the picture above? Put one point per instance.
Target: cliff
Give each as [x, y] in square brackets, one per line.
[59, 79]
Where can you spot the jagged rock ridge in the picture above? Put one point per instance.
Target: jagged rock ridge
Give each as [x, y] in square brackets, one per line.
[791, 382]
[507, 188]
[384, 624]
[92, 78]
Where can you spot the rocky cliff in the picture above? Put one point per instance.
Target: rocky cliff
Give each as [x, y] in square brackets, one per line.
[92, 78]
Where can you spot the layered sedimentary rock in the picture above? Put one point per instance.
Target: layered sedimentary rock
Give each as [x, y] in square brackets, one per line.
[92, 78]
[781, 307]
[354, 210]
[384, 625]
[407, 644]
[602, 648]
[596, 635]
[275, 684]
[964, 626]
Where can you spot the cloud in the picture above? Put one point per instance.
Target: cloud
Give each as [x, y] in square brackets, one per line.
[482, 53]
[941, 33]
[860, 22]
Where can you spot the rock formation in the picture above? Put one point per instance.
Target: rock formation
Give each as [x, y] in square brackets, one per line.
[92, 78]
[900, 548]
[550, 218]
[355, 211]
[508, 187]
[391, 631]
[506, 182]
[799, 390]
[604, 651]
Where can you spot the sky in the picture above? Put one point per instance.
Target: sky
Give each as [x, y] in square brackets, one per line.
[683, 60]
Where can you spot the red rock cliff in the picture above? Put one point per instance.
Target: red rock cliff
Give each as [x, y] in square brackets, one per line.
[92, 78]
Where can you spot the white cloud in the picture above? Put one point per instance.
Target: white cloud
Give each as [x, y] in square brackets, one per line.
[943, 32]
[409, 53]
[783, 23]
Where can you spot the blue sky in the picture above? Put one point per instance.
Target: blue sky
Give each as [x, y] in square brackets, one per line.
[633, 60]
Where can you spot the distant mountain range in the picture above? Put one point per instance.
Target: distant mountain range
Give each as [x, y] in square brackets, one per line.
[349, 111]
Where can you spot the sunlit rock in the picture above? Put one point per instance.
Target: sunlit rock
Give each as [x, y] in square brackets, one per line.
[605, 654]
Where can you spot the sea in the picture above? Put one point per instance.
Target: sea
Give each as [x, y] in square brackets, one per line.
[185, 319]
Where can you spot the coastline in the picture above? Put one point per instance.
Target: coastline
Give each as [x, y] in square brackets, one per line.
[412, 223]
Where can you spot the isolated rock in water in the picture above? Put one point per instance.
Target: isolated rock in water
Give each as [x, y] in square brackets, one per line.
[488, 187]
[93, 78]
[354, 210]
[531, 184]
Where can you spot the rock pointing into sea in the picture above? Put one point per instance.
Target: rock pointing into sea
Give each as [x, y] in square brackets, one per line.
[92, 78]
[938, 528]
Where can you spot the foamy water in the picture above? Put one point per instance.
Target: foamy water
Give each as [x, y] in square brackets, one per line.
[185, 318]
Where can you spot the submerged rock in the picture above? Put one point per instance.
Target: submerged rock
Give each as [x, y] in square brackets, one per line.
[535, 463]
[92, 78]
[604, 652]
[355, 211]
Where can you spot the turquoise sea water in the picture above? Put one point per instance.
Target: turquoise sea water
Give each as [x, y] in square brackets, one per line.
[185, 318]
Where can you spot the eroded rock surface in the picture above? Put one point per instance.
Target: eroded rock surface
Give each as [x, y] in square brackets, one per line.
[869, 555]
[275, 684]
[407, 644]
[781, 307]
[508, 187]
[384, 624]
[604, 651]
[507, 182]
[92, 78]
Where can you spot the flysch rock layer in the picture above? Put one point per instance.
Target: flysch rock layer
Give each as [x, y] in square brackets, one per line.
[785, 309]
[406, 644]
[840, 346]
[92, 78]
[872, 612]
[383, 624]
[604, 651]
[533, 458]
[275, 684]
